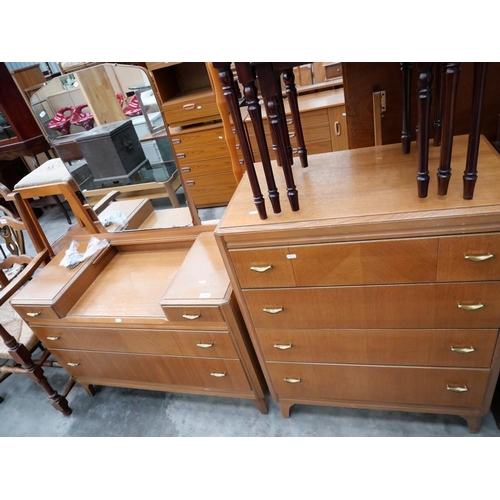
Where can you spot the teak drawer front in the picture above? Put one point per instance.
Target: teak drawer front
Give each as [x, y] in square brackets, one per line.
[197, 138]
[396, 306]
[32, 314]
[113, 340]
[376, 384]
[457, 348]
[469, 258]
[196, 108]
[206, 344]
[199, 343]
[263, 268]
[186, 156]
[209, 373]
[380, 262]
[191, 315]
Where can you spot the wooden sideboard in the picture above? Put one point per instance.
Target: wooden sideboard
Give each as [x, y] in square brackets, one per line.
[323, 121]
[153, 310]
[368, 296]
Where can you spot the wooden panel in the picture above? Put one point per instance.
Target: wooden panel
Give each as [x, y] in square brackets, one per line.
[454, 266]
[107, 339]
[200, 315]
[418, 386]
[398, 261]
[206, 344]
[338, 127]
[272, 268]
[195, 108]
[381, 347]
[164, 370]
[396, 306]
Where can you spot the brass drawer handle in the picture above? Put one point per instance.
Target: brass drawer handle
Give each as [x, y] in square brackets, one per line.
[181, 155]
[204, 346]
[479, 258]
[470, 307]
[218, 374]
[34, 315]
[457, 388]
[176, 141]
[273, 310]
[291, 135]
[187, 107]
[191, 316]
[53, 338]
[462, 350]
[289, 121]
[337, 128]
[282, 347]
[186, 169]
[73, 364]
[260, 269]
[292, 380]
[190, 183]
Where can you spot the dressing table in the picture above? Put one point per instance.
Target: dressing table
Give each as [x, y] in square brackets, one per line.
[153, 310]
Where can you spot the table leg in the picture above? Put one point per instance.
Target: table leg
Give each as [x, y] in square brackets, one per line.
[406, 68]
[438, 74]
[451, 74]
[470, 174]
[424, 104]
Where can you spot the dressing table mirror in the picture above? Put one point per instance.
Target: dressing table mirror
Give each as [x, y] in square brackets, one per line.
[102, 121]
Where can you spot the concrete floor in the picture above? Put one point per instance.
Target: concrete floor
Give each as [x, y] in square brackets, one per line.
[26, 410]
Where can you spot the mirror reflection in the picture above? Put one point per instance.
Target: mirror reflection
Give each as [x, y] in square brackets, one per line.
[6, 131]
[105, 123]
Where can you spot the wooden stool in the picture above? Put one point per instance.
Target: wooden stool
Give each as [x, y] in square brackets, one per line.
[53, 179]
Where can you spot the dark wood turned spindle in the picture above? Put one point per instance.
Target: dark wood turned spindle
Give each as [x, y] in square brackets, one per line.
[271, 92]
[438, 99]
[470, 173]
[451, 74]
[291, 91]
[22, 356]
[424, 92]
[227, 82]
[406, 69]
[246, 76]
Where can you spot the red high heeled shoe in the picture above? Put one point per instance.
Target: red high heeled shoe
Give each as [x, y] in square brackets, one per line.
[61, 121]
[85, 120]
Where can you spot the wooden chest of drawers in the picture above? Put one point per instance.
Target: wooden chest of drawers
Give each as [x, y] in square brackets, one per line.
[152, 311]
[368, 296]
[323, 120]
[204, 163]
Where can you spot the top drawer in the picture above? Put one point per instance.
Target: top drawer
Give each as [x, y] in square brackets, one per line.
[469, 258]
[196, 108]
[379, 262]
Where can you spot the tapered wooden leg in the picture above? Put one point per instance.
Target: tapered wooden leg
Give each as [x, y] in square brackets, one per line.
[474, 424]
[285, 409]
[227, 81]
[89, 389]
[261, 405]
[291, 91]
[424, 104]
[22, 356]
[406, 68]
[470, 174]
[451, 74]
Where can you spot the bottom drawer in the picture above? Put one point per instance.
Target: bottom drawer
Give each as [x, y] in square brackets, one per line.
[374, 384]
[201, 373]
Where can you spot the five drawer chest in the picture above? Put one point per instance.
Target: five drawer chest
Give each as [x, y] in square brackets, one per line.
[368, 296]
